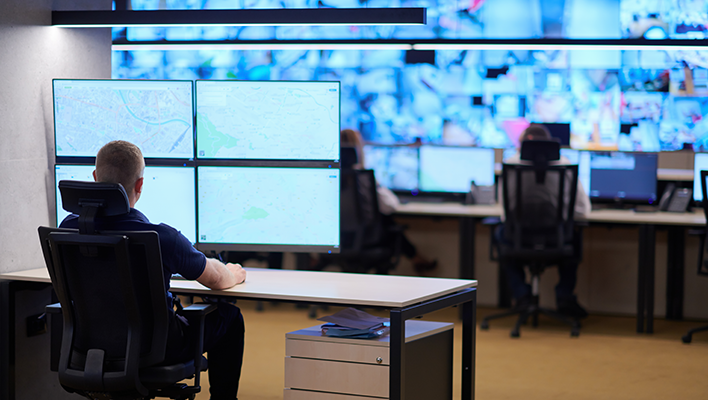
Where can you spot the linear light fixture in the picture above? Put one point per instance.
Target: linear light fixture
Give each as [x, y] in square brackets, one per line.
[243, 17]
[550, 47]
[259, 46]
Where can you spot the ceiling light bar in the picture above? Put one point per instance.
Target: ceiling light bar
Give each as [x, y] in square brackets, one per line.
[288, 46]
[551, 47]
[245, 17]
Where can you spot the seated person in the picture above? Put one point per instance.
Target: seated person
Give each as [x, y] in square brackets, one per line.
[387, 205]
[566, 301]
[122, 162]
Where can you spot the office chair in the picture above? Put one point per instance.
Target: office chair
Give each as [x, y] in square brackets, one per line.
[539, 226]
[702, 263]
[113, 301]
[366, 242]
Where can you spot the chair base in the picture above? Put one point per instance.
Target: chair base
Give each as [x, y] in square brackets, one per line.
[532, 311]
[689, 335]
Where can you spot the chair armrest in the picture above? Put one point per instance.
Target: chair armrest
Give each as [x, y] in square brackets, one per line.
[198, 310]
[53, 308]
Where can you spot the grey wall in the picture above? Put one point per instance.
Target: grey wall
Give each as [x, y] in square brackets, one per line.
[31, 54]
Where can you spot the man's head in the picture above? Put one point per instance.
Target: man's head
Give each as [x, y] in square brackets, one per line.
[536, 132]
[121, 162]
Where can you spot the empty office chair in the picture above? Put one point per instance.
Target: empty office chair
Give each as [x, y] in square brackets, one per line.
[702, 262]
[114, 306]
[539, 226]
[367, 243]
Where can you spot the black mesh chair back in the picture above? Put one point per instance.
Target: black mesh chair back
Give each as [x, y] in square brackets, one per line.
[113, 300]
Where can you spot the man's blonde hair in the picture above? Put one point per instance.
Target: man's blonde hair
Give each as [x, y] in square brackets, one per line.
[120, 162]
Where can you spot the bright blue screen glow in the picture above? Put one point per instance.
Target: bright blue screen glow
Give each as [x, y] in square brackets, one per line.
[700, 163]
[451, 169]
[168, 195]
[395, 167]
[268, 206]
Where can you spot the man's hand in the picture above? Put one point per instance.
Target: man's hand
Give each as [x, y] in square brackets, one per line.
[218, 275]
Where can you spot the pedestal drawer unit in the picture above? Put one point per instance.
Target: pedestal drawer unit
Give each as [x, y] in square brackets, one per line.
[319, 367]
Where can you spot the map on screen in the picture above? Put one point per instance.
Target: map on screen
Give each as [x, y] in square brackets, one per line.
[157, 116]
[270, 206]
[244, 119]
[167, 196]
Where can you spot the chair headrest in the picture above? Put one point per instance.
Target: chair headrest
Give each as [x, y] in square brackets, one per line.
[348, 157]
[540, 151]
[108, 199]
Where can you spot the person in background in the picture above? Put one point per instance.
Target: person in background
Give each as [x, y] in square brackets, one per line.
[122, 162]
[566, 301]
[388, 202]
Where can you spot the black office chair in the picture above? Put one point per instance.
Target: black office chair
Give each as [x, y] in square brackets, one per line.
[539, 226]
[366, 242]
[702, 262]
[114, 306]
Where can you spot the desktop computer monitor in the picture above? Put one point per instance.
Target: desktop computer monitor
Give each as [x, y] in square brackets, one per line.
[168, 195]
[157, 116]
[395, 167]
[268, 120]
[700, 163]
[452, 169]
[619, 176]
[268, 208]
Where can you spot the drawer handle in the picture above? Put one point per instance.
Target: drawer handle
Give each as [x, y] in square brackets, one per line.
[379, 360]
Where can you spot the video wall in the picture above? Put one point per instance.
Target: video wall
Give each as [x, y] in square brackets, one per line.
[629, 100]
[242, 178]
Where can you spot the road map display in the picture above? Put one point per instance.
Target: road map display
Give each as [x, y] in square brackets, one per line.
[157, 116]
[167, 197]
[268, 120]
[270, 206]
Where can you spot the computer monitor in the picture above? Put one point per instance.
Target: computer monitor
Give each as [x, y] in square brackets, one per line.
[395, 167]
[157, 116]
[700, 163]
[452, 169]
[267, 120]
[268, 208]
[168, 195]
[627, 177]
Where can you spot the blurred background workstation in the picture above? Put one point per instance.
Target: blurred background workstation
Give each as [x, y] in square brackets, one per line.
[622, 85]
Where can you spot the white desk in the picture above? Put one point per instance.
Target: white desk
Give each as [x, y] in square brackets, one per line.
[646, 221]
[405, 297]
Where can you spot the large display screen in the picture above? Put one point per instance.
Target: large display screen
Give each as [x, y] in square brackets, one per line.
[700, 163]
[268, 206]
[452, 169]
[157, 116]
[623, 176]
[395, 167]
[268, 120]
[168, 195]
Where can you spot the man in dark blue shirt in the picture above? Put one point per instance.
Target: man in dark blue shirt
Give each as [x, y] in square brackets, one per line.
[122, 162]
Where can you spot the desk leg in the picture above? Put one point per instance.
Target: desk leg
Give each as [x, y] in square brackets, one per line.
[675, 273]
[396, 390]
[645, 281]
[469, 350]
[7, 340]
[467, 247]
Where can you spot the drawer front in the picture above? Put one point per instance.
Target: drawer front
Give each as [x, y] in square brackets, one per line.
[291, 394]
[337, 351]
[337, 377]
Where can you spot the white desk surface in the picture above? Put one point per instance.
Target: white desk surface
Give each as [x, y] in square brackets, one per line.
[693, 218]
[316, 287]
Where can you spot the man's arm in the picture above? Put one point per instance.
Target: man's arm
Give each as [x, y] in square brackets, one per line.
[218, 275]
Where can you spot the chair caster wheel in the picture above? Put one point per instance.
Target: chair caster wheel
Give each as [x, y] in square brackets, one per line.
[515, 334]
[686, 339]
[574, 333]
[484, 325]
